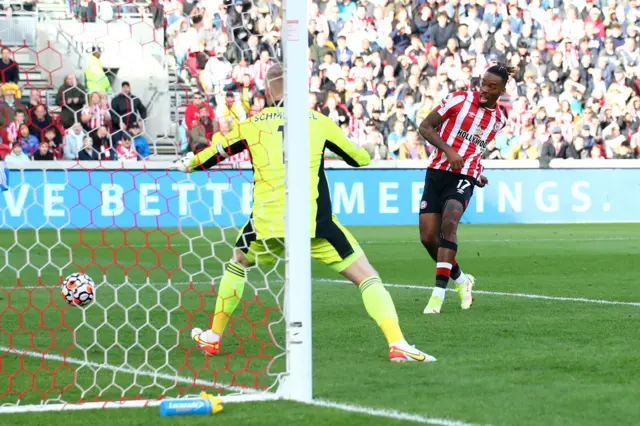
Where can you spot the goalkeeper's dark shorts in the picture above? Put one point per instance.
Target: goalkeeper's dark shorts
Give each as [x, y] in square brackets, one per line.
[338, 250]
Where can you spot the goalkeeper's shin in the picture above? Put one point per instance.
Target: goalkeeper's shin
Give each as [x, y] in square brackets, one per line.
[380, 307]
[229, 295]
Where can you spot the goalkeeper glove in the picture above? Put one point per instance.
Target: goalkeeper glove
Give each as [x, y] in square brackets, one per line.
[183, 163]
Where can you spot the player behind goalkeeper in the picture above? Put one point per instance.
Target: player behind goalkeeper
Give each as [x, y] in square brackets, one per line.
[260, 240]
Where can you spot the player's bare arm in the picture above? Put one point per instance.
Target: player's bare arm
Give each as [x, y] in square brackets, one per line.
[482, 181]
[429, 130]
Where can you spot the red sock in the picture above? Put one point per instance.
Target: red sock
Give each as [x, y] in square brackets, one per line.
[443, 271]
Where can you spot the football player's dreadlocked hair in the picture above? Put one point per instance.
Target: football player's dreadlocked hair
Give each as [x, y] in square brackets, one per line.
[503, 71]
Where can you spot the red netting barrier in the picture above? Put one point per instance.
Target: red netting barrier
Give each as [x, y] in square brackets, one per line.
[154, 242]
[153, 285]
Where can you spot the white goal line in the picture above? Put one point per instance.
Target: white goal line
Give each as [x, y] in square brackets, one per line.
[127, 370]
[250, 395]
[138, 403]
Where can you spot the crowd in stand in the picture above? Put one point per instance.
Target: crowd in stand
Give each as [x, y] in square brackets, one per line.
[84, 126]
[378, 68]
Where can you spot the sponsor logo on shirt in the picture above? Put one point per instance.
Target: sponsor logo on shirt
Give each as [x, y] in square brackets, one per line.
[475, 139]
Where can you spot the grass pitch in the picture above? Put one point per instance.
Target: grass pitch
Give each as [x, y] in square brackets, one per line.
[510, 360]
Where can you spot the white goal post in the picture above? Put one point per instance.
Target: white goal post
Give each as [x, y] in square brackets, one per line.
[128, 349]
[298, 385]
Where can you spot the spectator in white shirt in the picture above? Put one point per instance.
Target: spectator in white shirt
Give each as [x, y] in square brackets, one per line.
[596, 84]
[333, 69]
[186, 40]
[572, 27]
[217, 73]
[548, 102]
[73, 142]
[16, 154]
[471, 20]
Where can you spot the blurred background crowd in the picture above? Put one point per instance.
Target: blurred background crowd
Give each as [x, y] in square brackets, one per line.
[377, 68]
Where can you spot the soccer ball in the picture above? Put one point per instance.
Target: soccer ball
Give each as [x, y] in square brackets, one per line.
[78, 289]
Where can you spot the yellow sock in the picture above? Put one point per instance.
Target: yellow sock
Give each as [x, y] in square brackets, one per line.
[229, 295]
[380, 307]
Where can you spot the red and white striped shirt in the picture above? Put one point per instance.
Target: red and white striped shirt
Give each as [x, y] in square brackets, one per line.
[468, 128]
[98, 113]
[519, 120]
[239, 72]
[310, 67]
[356, 128]
[259, 70]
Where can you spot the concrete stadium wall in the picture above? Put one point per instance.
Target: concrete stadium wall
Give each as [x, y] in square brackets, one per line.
[134, 51]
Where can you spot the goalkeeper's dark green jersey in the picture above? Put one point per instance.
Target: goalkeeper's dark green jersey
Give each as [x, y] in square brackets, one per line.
[262, 135]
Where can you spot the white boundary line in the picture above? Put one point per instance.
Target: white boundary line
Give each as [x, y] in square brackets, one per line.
[391, 414]
[513, 240]
[416, 241]
[499, 293]
[390, 285]
[250, 397]
[138, 403]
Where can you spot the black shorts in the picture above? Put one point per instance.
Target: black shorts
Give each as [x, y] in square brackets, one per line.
[441, 185]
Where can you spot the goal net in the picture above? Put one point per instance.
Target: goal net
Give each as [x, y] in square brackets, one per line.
[154, 241]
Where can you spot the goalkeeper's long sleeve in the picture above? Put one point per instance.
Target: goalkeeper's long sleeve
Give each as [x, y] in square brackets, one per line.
[222, 147]
[236, 141]
[338, 143]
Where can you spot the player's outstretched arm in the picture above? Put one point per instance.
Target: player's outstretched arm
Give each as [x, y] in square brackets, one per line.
[226, 146]
[338, 143]
[429, 130]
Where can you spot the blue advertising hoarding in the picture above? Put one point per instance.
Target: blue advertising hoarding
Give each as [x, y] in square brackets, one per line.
[152, 198]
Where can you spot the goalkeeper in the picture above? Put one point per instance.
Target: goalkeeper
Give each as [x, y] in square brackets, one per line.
[260, 240]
